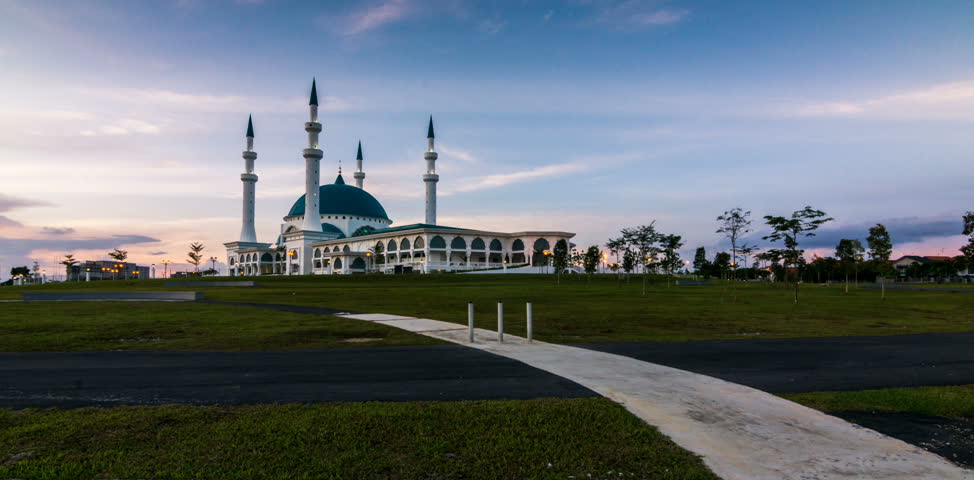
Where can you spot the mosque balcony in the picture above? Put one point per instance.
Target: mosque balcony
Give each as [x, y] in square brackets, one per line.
[248, 177]
[249, 155]
[431, 177]
[313, 153]
[312, 126]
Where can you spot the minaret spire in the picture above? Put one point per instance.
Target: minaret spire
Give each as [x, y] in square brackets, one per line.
[312, 158]
[249, 179]
[359, 173]
[430, 178]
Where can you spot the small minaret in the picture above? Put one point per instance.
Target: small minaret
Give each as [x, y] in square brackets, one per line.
[430, 178]
[249, 179]
[359, 174]
[312, 157]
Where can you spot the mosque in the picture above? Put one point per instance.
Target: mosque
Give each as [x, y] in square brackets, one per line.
[352, 233]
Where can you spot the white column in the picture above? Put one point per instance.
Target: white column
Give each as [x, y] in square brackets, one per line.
[312, 179]
[430, 178]
[249, 179]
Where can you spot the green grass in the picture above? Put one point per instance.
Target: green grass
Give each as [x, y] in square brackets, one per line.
[949, 401]
[472, 440]
[89, 326]
[602, 310]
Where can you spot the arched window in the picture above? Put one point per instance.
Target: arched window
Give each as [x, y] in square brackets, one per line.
[458, 244]
[518, 245]
[346, 249]
[477, 244]
[363, 230]
[290, 229]
[317, 253]
[358, 263]
[541, 245]
[278, 257]
[562, 243]
[327, 250]
[418, 243]
[231, 261]
[338, 263]
[437, 242]
[404, 244]
[495, 245]
[267, 258]
[391, 246]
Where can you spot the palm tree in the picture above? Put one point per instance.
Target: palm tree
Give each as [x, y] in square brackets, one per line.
[69, 263]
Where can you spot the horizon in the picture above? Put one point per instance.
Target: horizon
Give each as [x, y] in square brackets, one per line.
[121, 125]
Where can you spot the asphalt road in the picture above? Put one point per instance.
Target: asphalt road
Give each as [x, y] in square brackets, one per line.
[442, 372]
[815, 364]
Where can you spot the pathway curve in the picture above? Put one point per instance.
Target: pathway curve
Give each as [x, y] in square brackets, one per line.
[741, 433]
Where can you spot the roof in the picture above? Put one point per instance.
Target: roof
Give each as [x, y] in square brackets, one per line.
[413, 226]
[429, 131]
[339, 198]
[314, 94]
[329, 228]
[250, 126]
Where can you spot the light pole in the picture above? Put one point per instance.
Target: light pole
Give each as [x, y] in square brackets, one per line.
[213, 263]
[152, 273]
[165, 264]
[290, 266]
[547, 253]
[368, 255]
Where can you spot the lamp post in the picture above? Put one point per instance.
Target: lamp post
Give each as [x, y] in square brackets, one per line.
[290, 265]
[165, 264]
[213, 263]
[152, 273]
[368, 256]
[547, 253]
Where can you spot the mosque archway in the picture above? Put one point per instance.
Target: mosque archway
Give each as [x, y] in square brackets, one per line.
[391, 246]
[418, 243]
[358, 264]
[404, 244]
[338, 263]
[495, 245]
[517, 246]
[437, 242]
[346, 249]
[458, 243]
[478, 244]
[267, 258]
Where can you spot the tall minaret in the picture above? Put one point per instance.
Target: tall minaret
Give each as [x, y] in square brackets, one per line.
[359, 174]
[430, 178]
[249, 179]
[312, 156]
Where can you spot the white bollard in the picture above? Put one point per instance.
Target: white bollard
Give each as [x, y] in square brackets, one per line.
[500, 322]
[470, 319]
[530, 323]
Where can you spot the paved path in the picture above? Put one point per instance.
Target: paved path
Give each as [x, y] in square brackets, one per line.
[741, 433]
[814, 364]
[440, 372]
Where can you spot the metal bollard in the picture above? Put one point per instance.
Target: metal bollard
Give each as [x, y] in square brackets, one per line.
[530, 323]
[470, 319]
[500, 322]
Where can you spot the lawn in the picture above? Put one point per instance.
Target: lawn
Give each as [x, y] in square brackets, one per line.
[546, 438]
[948, 401]
[603, 309]
[89, 326]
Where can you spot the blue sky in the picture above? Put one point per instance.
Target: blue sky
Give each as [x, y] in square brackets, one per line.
[121, 123]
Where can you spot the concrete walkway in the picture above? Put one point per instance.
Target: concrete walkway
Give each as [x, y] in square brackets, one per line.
[741, 433]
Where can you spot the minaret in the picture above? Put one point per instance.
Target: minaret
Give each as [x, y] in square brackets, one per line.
[312, 157]
[249, 179]
[359, 174]
[430, 178]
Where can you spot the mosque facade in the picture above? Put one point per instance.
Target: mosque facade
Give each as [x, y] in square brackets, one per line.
[352, 233]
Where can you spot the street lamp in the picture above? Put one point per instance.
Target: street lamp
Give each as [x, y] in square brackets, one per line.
[368, 255]
[165, 264]
[213, 263]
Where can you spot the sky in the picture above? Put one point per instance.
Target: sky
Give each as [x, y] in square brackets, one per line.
[122, 123]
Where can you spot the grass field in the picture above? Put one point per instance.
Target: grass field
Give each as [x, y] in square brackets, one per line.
[600, 310]
[89, 326]
[949, 401]
[581, 438]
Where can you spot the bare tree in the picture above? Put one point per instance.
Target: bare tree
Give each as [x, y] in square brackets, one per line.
[733, 224]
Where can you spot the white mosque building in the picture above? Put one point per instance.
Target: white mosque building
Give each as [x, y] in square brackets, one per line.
[352, 233]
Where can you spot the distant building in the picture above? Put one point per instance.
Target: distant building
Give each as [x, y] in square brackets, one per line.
[109, 270]
[904, 263]
[338, 228]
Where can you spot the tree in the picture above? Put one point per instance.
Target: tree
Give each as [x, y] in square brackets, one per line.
[643, 240]
[700, 262]
[880, 249]
[195, 255]
[119, 255]
[377, 254]
[790, 231]
[746, 251]
[560, 259]
[848, 252]
[591, 260]
[69, 262]
[24, 270]
[721, 264]
[968, 250]
[670, 246]
[734, 223]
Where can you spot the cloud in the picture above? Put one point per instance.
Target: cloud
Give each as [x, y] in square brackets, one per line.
[9, 222]
[901, 230]
[374, 17]
[947, 100]
[57, 230]
[491, 26]
[23, 246]
[637, 14]
[46, 114]
[8, 203]
[123, 127]
[503, 179]
[158, 253]
[207, 102]
[457, 154]
[548, 15]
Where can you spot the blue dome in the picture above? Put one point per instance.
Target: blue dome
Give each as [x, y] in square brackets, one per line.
[341, 199]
